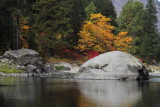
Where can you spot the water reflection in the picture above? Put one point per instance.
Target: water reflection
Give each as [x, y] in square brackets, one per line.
[110, 93]
[49, 92]
[37, 92]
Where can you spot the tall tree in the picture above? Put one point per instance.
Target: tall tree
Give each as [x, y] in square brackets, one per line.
[77, 16]
[52, 24]
[150, 42]
[131, 19]
[11, 13]
[97, 35]
[105, 7]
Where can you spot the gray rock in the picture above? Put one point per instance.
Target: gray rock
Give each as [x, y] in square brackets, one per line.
[48, 68]
[21, 67]
[4, 60]
[1, 57]
[71, 68]
[31, 69]
[7, 61]
[38, 70]
[24, 56]
[113, 65]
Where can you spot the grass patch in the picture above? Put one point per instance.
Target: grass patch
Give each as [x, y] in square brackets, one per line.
[58, 68]
[6, 69]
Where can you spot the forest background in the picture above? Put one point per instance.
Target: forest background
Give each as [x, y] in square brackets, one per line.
[76, 28]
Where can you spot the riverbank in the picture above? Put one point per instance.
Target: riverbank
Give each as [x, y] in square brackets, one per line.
[30, 63]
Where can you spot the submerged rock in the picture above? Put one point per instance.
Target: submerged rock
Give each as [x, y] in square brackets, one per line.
[113, 65]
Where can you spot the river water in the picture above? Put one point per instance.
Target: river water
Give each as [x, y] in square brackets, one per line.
[49, 92]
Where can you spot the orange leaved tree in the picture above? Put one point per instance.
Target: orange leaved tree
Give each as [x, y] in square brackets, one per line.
[96, 34]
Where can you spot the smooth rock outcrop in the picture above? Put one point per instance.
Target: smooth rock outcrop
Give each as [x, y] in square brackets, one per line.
[113, 65]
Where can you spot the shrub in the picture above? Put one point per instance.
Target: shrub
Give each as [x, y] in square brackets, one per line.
[58, 68]
[92, 54]
[68, 53]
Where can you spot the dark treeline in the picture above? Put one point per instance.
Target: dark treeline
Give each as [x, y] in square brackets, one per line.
[50, 26]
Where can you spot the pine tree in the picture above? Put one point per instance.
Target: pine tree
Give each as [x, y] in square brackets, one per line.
[150, 41]
[52, 24]
[10, 13]
[106, 8]
[131, 19]
[77, 16]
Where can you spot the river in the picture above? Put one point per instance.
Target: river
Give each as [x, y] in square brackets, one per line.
[49, 92]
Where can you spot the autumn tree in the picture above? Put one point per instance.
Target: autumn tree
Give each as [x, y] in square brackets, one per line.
[96, 34]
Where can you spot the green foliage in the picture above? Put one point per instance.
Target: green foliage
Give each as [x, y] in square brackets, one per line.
[77, 15]
[105, 7]
[90, 9]
[7, 69]
[58, 68]
[150, 42]
[131, 19]
[52, 23]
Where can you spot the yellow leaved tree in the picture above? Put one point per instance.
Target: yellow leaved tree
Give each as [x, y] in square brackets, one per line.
[96, 34]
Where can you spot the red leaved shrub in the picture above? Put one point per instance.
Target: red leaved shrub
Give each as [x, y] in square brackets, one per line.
[92, 54]
[68, 53]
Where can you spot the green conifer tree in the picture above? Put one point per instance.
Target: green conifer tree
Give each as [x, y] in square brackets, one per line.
[150, 42]
[52, 24]
[131, 20]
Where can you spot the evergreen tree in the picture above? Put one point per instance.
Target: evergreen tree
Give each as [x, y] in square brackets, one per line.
[131, 19]
[77, 15]
[52, 24]
[150, 41]
[10, 12]
[90, 9]
[106, 8]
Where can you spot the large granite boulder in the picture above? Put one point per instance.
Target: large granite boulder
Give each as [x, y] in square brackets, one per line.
[24, 57]
[113, 65]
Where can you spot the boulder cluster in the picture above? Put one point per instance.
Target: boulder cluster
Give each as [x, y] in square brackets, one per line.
[110, 65]
[32, 64]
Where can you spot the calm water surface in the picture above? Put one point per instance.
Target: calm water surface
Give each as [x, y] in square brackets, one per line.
[49, 92]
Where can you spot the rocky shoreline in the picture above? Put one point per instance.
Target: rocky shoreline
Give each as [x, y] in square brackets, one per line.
[55, 75]
[30, 63]
[110, 65]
